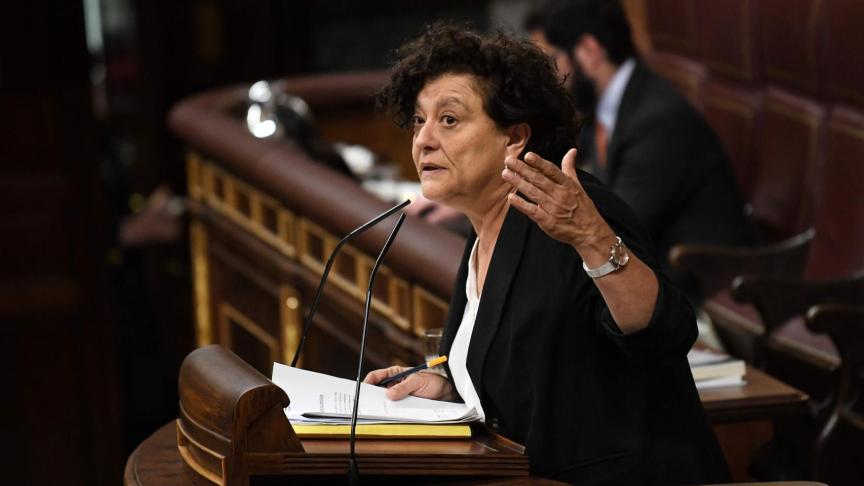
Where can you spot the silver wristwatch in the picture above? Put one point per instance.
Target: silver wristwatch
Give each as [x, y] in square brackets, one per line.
[619, 255]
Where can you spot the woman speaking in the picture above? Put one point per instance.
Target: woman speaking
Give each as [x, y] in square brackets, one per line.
[561, 332]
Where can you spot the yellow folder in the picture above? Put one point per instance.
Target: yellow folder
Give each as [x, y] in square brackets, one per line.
[383, 431]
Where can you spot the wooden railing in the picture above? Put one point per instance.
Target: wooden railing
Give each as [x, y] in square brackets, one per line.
[265, 216]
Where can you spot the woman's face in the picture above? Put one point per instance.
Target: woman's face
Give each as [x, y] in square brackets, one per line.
[458, 149]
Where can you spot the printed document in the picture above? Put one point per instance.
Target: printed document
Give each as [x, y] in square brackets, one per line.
[321, 398]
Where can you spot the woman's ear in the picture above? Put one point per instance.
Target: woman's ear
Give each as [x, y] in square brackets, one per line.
[517, 139]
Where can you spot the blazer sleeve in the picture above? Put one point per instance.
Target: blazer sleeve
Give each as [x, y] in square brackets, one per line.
[669, 335]
[672, 329]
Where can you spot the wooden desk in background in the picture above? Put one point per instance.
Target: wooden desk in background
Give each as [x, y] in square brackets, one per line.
[741, 417]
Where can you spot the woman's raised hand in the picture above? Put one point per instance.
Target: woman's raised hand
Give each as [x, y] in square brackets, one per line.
[558, 203]
[561, 208]
[423, 384]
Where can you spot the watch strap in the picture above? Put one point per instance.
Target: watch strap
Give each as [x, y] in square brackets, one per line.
[610, 266]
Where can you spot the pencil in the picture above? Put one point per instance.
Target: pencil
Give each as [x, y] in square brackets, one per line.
[401, 376]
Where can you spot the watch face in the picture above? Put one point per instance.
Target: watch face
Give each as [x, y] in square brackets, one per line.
[620, 255]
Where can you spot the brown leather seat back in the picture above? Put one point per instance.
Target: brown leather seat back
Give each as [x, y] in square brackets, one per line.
[787, 152]
[767, 74]
[791, 40]
[672, 24]
[839, 210]
[734, 112]
[727, 39]
[685, 74]
[843, 63]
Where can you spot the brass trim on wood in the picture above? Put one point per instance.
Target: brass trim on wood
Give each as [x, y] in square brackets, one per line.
[291, 320]
[287, 232]
[401, 302]
[349, 257]
[284, 236]
[305, 230]
[422, 298]
[198, 239]
[841, 127]
[228, 314]
[193, 171]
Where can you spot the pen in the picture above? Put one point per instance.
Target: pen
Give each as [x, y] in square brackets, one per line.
[411, 371]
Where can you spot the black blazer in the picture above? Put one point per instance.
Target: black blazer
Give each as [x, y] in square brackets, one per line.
[592, 406]
[668, 165]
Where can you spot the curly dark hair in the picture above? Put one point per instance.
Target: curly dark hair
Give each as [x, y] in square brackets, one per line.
[518, 81]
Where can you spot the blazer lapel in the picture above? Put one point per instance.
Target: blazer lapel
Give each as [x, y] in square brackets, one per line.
[629, 101]
[499, 278]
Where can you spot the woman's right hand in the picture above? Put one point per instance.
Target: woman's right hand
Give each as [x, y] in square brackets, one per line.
[423, 384]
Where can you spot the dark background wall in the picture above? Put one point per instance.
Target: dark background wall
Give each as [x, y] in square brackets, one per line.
[93, 330]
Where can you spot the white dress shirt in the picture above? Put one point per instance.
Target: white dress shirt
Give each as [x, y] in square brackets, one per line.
[458, 357]
[610, 100]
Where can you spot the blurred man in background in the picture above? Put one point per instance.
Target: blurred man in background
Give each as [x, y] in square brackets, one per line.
[641, 137]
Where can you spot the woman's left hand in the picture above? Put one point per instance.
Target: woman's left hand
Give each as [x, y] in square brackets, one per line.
[562, 209]
[560, 206]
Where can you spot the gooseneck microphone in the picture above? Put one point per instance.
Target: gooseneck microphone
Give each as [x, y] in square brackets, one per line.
[308, 323]
[353, 471]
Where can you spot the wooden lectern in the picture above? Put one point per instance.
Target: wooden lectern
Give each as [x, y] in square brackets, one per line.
[232, 430]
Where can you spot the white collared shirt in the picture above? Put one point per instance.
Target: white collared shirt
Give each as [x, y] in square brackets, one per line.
[610, 100]
[458, 358]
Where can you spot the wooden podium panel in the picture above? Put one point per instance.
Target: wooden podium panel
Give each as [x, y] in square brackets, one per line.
[232, 428]
[233, 431]
[157, 462]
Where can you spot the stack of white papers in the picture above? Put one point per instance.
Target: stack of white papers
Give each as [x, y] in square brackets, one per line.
[320, 398]
[712, 369]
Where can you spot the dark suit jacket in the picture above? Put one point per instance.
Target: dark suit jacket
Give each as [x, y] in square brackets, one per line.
[553, 372]
[667, 164]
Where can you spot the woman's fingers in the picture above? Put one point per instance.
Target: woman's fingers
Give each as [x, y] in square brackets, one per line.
[375, 377]
[532, 175]
[545, 167]
[423, 385]
[563, 212]
[551, 190]
[568, 165]
[527, 188]
[527, 208]
[408, 386]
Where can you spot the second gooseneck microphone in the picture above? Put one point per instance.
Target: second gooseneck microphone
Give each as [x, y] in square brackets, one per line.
[353, 470]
